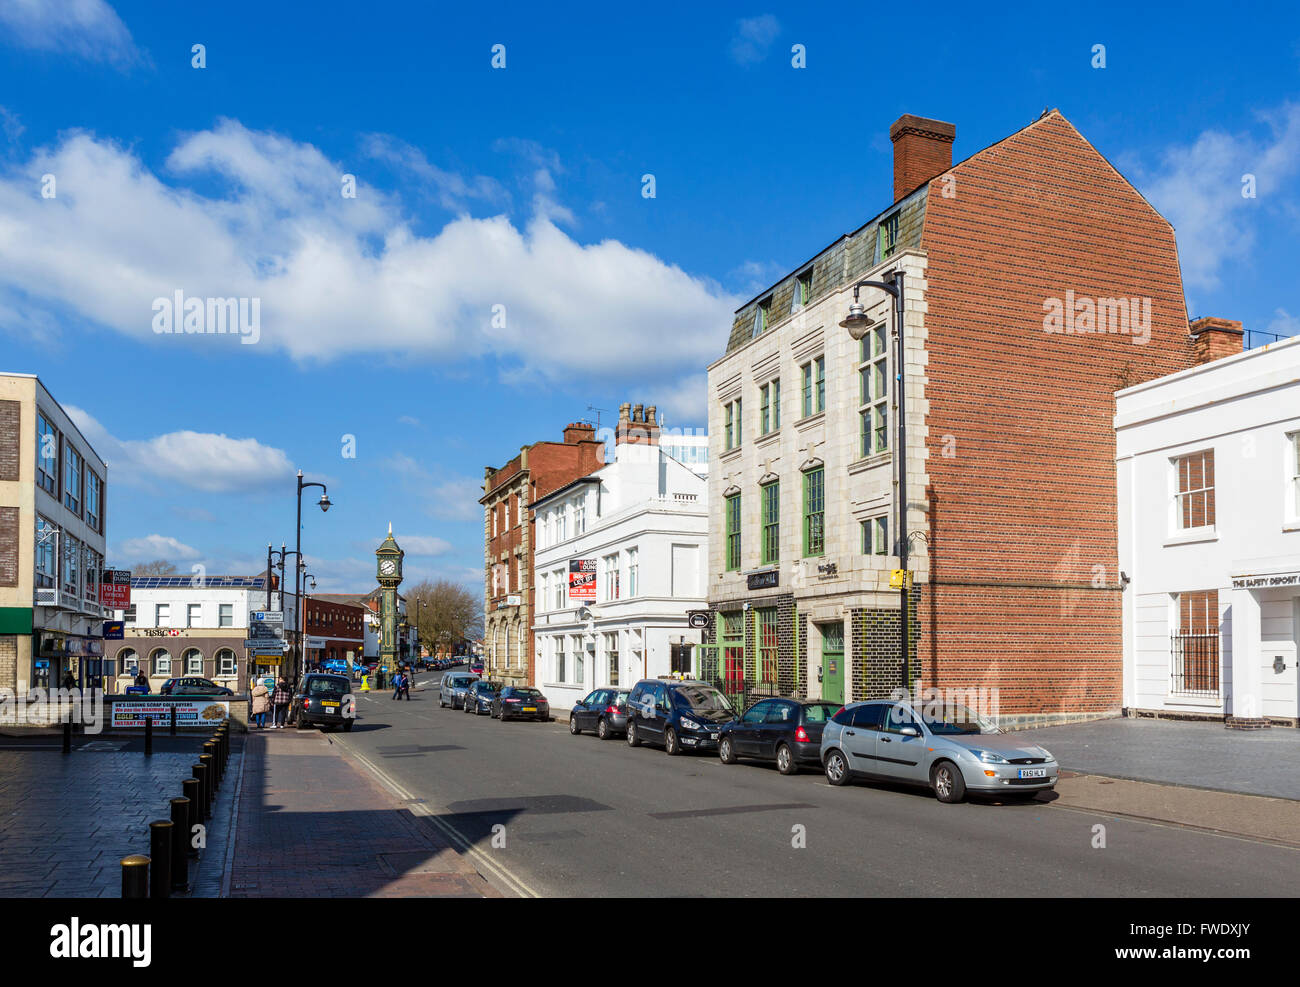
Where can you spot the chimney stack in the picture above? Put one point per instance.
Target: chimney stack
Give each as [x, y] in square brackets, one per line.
[576, 432]
[638, 428]
[922, 149]
[1213, 339]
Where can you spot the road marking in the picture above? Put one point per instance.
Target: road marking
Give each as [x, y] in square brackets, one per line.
[458, 839]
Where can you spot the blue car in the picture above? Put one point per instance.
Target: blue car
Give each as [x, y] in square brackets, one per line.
[679, 714]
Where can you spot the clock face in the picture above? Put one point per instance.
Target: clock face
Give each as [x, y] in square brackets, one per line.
[388, 567]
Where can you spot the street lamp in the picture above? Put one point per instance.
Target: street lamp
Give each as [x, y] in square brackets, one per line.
[858, 323]
[302, 609]
[324, 505]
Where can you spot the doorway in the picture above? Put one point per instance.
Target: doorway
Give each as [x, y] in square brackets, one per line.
[832, 661]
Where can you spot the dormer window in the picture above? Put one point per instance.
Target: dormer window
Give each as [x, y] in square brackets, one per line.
[887, 238]
[802, 290]
[762, 316]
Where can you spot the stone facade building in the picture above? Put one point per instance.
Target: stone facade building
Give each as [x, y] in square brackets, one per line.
[508, 544]
[1037, 282]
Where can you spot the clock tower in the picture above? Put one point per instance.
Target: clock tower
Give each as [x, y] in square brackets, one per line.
[388, 570]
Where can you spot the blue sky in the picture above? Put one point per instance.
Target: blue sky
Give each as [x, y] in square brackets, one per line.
[517, 193]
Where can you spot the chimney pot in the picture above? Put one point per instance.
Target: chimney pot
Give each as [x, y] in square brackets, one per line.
[1214, 338]
[922, 150]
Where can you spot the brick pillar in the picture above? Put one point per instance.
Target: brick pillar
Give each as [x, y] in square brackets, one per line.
[1213, 339]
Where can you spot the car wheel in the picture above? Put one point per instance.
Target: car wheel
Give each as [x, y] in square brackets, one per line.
[633, 740]
[347, 727]
[785, 762]
[837, 769]
[300, 723]
[602, 729]
[442, 703]
[948, 784]
[726, 751]
[573, 725]
[671, 747]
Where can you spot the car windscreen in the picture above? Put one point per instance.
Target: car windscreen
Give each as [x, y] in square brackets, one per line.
[525, 693]
[323, 685]
[488, 688]
[819, 712]
[704, 698]
[951, 721]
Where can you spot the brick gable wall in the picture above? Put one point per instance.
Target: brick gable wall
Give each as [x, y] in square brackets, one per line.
[1024, 584]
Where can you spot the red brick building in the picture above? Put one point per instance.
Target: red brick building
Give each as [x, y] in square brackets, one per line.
[337, 629]
[1012, 259]
[508, 543]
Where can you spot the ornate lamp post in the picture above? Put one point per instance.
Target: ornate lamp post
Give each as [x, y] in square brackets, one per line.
[324, 504]
[858, 323]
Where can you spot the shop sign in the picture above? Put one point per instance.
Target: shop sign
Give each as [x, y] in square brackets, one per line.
[1266, 582]
[115, 588]
[189, 713]
[764, 580]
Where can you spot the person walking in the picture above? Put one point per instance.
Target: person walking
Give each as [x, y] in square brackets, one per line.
[280, 700]
[398, 681]
[261, 703]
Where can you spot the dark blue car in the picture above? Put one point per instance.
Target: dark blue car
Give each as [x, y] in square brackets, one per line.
[678, 714]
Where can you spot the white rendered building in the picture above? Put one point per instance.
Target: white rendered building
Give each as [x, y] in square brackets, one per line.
[635, 534]
[1208, 464]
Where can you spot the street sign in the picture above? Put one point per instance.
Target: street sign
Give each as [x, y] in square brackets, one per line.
[115, 588]
[266, 625]
[899, 578]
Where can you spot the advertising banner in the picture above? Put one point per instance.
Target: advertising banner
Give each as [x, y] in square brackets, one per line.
[189, 712]
[115, 588]
[582, 579]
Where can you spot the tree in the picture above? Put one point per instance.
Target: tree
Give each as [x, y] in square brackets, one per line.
[450, 613]
[158, 567]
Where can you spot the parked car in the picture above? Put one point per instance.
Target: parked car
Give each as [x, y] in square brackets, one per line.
[604, 710]
[192, 685]
[953, 751]
[324, 699]
[452, 688]
[520, 702]
[680, 714]
[479, 696]
[787, 731]
[476, 667]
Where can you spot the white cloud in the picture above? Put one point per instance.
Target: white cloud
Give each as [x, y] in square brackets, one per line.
[753, 38]
[1198, 188]
[339, 276]
[447, 498]
[90, 29]
[423, 544]
[201, 460]
[408, 420]
[152, 547]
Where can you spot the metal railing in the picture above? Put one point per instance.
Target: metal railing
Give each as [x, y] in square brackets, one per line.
[1194, 665]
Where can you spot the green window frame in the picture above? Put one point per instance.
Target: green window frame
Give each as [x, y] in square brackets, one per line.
[729, 410]
[732, 430]
[814, 386]
[873, 393]
[806, 374]
[771, 494]
[764, 410]
[733, 532]
[776, 403]
[875, 535]
[814, 512]
[887, 237]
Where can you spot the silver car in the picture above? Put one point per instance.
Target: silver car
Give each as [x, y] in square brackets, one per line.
[452, 688]
[952, 751]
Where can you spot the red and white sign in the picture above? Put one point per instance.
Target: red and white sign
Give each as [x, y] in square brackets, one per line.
[115, 589]
[582, 579]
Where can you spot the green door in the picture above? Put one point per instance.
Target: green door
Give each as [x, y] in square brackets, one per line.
[833, 662]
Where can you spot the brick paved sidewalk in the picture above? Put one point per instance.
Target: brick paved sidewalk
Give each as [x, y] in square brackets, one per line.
[312, 823]
[67, 820]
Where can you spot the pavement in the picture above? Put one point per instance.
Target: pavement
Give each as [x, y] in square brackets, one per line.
[313, 823]
[66, 821]
[538, 811]
[1184, 753]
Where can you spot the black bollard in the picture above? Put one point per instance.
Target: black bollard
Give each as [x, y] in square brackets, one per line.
[173, 727]
[135, 876]
[190, 790]
[67, 737]
[201, 773]
[180, 841]
[210, 749]
[160, 856]
[148, 736]
[209, 785]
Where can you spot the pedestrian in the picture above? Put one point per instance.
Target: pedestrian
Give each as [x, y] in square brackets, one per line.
[399, 684]
[406, 683]
[141, 680]
[68, 681]
[261, 703]
[280, 700]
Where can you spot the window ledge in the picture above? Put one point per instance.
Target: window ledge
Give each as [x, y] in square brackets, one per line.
[814, 419]
[1197, 701]
[872, 461]
[1293, 525]
[1193, 537]
[731, 453]
[768, 437]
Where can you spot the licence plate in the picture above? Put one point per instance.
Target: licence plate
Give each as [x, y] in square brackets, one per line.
[1033, 773]
[528, 709]
[713, 736]
[329, 705]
